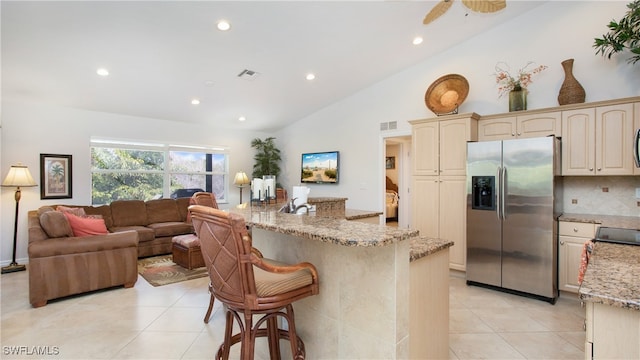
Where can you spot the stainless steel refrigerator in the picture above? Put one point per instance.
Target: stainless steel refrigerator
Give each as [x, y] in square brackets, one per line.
[513, 201]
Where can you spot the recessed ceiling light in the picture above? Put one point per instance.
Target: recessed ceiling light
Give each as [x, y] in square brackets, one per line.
[417, 40]
[242, 118]
[102, 72]
[223, 25]
[195, 102]
[311, 76]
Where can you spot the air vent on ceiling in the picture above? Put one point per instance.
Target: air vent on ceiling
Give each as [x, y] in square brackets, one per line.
[248, 74]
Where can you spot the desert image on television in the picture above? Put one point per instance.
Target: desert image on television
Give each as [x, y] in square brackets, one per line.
[320, 167]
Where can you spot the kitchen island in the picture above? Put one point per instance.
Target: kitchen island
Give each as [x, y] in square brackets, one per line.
[611, 290]
[374, 302]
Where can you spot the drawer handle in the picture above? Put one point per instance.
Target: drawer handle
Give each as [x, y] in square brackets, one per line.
[575, 229]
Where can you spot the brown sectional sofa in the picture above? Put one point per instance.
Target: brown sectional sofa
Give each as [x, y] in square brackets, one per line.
[62, 265]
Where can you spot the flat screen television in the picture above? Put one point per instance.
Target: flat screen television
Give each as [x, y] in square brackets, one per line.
[320, 167]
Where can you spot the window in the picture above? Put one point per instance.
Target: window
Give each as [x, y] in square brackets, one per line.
[126, 170]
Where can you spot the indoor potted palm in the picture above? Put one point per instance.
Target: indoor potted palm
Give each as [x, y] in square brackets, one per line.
[267, 161]
[624, 34]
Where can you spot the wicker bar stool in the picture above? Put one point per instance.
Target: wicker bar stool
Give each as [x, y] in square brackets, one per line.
[250, 285]
[209, 199]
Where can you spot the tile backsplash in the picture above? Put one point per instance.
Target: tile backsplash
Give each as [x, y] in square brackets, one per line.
[601, 195]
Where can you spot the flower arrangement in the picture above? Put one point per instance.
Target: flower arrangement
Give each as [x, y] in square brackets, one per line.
[506, 82]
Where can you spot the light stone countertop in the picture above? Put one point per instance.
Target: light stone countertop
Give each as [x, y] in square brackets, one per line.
[613, 276]
[423, 246]
[351, 214]
[325, 229]
[340, 231]
[613, 273]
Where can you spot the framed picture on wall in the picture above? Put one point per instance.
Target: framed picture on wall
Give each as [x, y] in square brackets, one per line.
[390, 162]
[55, 176]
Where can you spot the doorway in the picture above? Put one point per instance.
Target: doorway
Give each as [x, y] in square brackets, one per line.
[397, 179]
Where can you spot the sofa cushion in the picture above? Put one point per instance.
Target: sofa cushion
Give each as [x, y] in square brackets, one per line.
[183, 208]
[129, 213]
[55, 224]
[86, 226]
[162, 210]
[77, 245]
[171, 228]
[78, 211]
[144, 233]
[104, 211]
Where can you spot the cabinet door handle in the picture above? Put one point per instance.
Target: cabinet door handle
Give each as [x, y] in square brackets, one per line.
[575, 229]
[562, 242]
[590, 169]
[599, 169]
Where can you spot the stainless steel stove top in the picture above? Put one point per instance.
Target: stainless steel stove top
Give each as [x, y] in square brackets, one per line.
[618, 235]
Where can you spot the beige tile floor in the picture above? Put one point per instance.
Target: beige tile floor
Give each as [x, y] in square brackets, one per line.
[147, 322]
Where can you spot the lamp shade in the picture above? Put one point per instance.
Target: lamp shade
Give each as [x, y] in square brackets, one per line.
[19, 176]
[241, 179]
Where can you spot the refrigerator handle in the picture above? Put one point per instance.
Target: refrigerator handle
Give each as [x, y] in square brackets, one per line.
[503, 193]
[498, 194]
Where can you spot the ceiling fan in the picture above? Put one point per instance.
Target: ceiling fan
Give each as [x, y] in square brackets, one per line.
[483, 6]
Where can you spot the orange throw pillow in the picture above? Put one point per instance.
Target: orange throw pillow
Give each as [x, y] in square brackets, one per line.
[86, 226]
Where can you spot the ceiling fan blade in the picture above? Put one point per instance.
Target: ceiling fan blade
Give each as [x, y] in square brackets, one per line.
[437, 11]
[485, 6]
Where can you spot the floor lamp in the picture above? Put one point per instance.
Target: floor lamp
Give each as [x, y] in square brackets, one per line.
[18, 176]
[241, 180]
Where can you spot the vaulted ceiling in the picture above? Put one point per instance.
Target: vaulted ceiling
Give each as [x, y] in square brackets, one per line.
[161, 55]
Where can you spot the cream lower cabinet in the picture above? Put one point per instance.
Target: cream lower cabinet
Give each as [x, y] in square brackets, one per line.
[441, 213]
[598, 140]
[572, 236]
[522, 126]
[612, 332]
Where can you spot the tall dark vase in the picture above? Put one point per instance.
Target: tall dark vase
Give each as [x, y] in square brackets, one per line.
[518, 99]
[571, 92]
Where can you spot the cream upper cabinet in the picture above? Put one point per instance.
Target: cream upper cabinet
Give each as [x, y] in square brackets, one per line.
[454, 135]
[426, 148]
[597, 141]
[521, 126]
[440, 145]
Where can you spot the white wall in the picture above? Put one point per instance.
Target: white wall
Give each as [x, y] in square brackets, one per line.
[29, 130]
[546, 35]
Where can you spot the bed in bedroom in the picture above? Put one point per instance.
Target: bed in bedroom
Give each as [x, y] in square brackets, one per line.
[391, 211]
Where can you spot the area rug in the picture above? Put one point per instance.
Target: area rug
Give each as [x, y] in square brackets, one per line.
[161, 270]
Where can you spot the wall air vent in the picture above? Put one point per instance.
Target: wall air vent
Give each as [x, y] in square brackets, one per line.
[248, 75]
[391, 125]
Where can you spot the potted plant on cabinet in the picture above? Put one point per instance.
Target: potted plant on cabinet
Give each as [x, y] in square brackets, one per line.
[622, 34]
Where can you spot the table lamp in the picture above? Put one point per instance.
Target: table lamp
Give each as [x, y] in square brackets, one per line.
[18, 176]
[241, 180]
